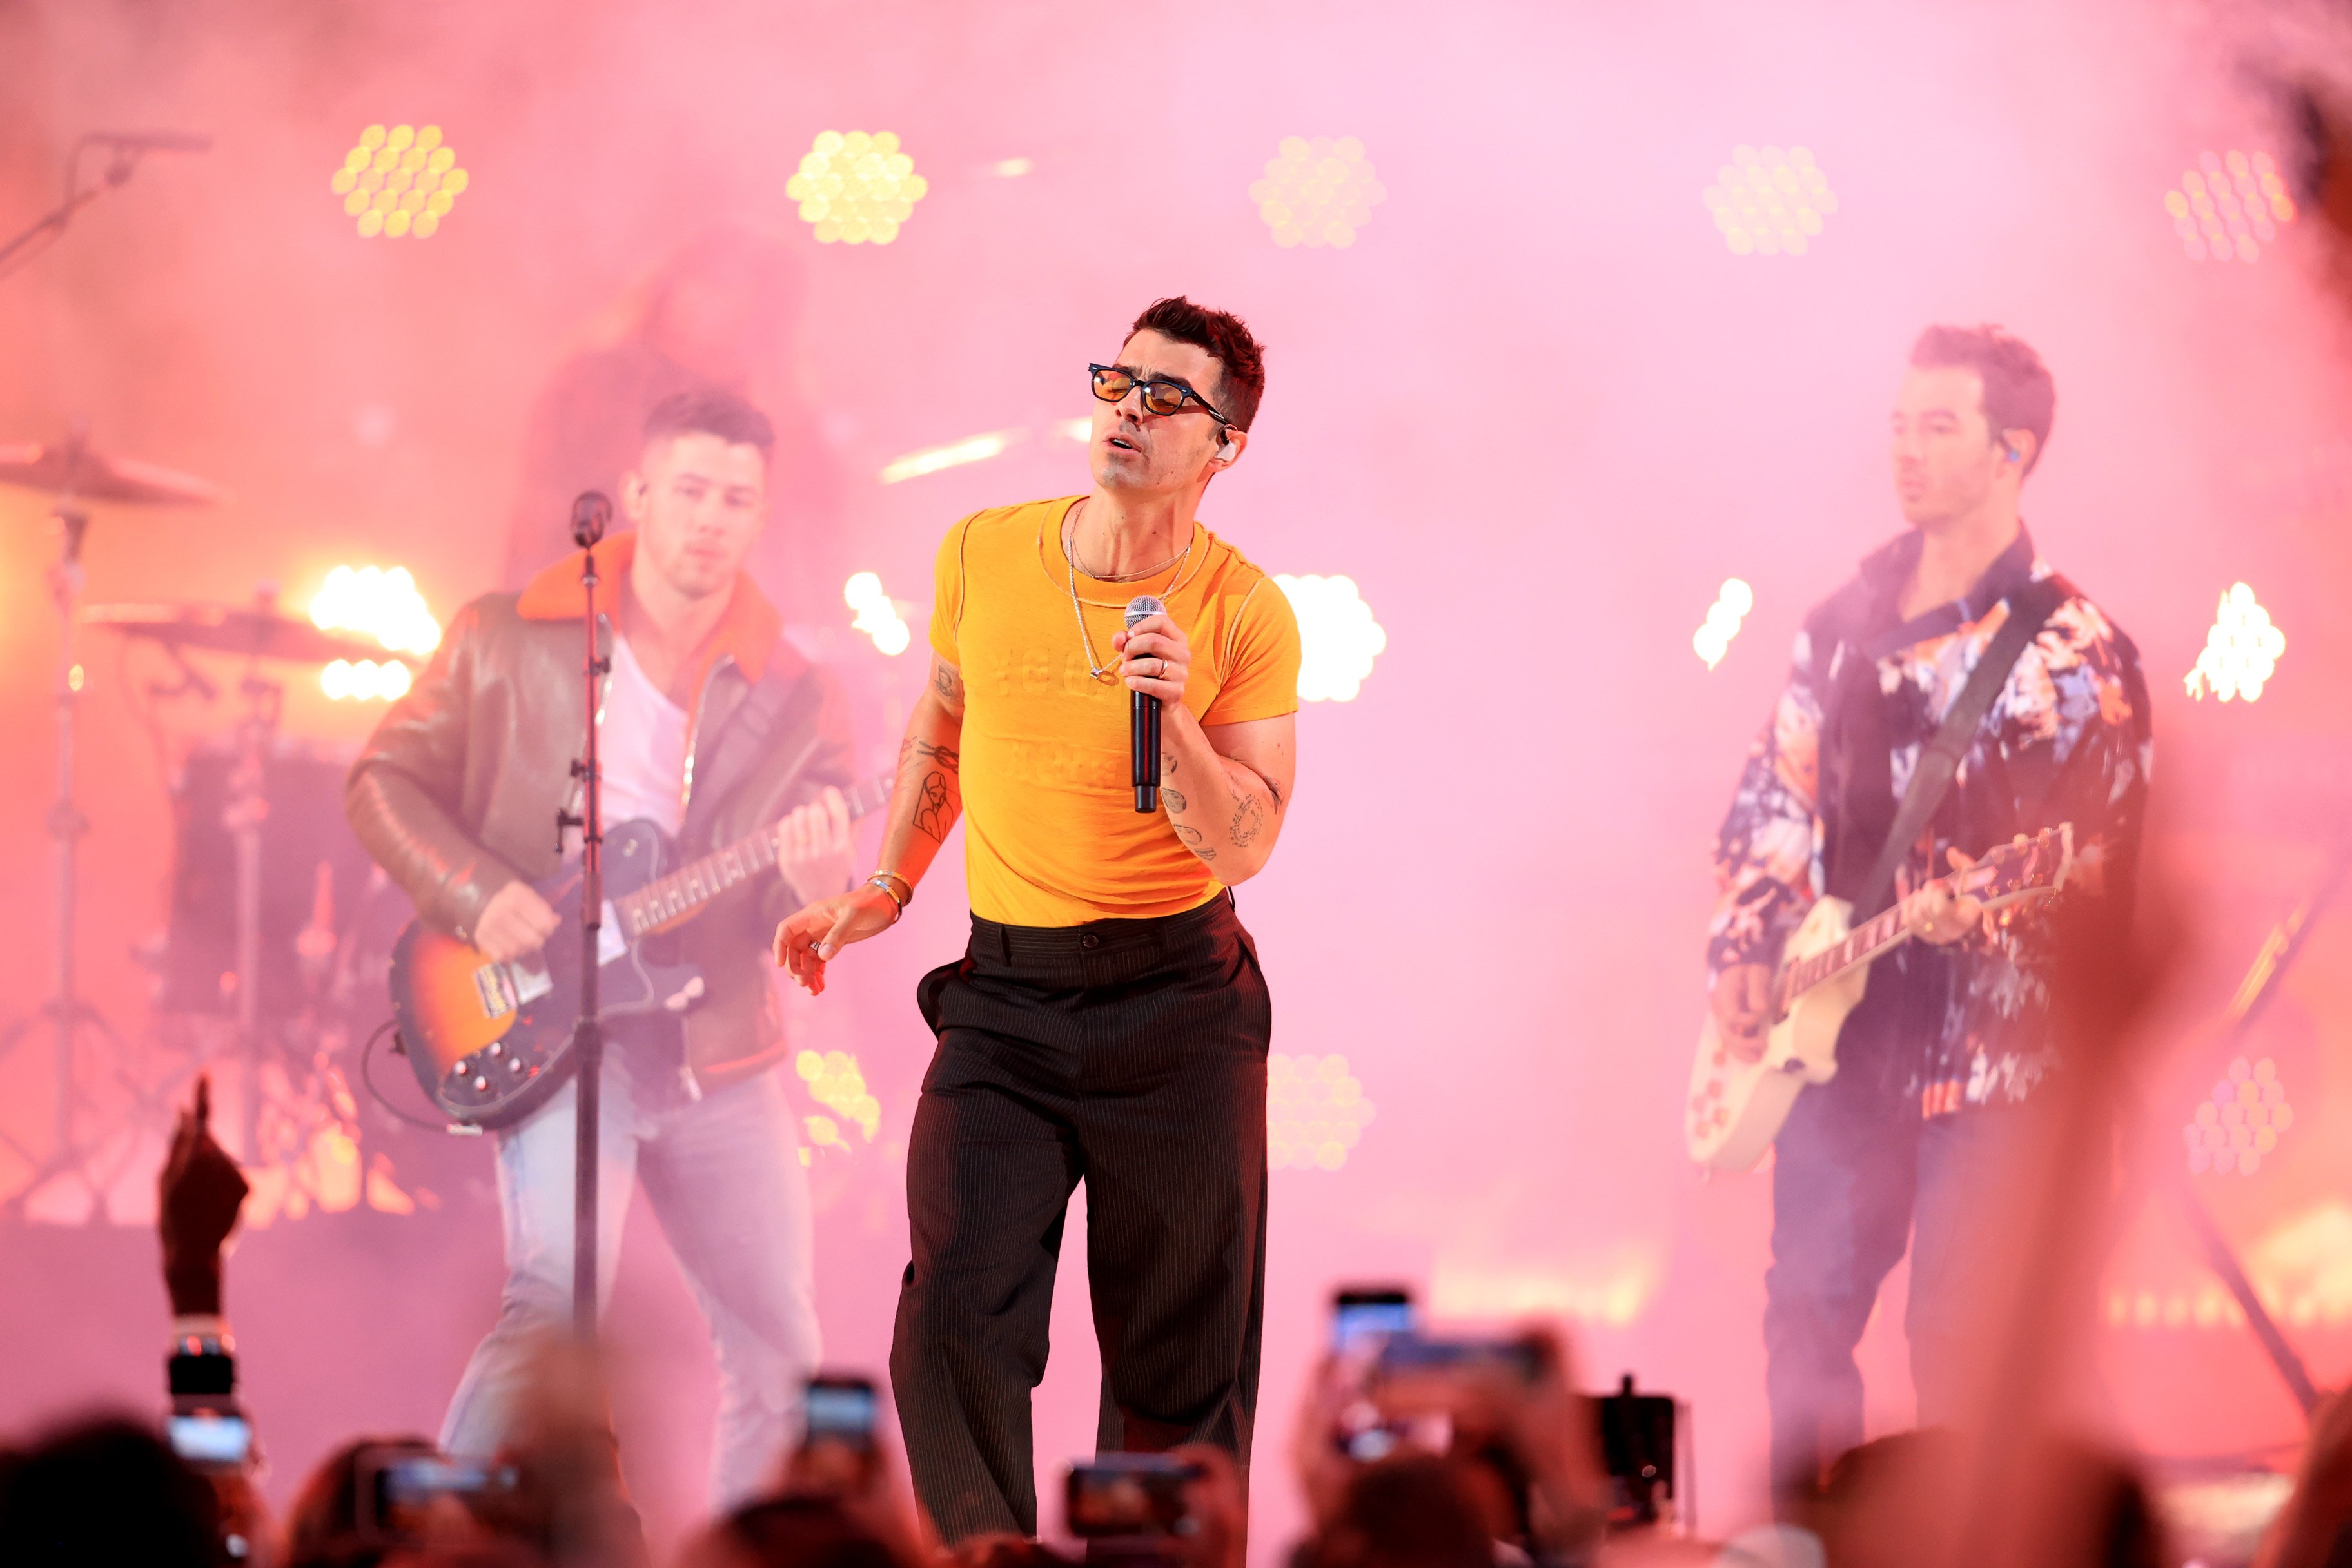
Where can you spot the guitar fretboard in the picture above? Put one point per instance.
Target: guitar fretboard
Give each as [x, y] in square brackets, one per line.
[668, 900]
[2007, 873]
[1874, 936]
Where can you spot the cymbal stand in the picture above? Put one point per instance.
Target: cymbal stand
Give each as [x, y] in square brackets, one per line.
[65, 1012]
[248, 813]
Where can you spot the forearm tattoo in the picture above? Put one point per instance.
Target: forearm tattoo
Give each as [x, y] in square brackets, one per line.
[935, 805]
[1249, 820]
[1175, 801]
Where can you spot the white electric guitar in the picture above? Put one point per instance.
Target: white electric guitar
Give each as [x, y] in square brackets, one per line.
[1736, 1107]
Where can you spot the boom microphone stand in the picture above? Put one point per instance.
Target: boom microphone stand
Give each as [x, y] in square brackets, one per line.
[589, 514]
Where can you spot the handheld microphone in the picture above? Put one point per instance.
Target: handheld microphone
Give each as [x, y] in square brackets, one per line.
[153, 140]
[1143, 718]
[589, 512]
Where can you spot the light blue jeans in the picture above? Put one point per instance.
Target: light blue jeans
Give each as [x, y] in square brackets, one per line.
[723, 1173]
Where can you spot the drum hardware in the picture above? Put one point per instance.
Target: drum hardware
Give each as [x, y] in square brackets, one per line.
[281, 868]
[75, 472]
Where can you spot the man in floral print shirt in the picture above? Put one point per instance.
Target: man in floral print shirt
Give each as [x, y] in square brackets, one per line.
[1939, 1066]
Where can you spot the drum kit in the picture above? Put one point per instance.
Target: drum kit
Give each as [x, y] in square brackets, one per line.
[278, 931]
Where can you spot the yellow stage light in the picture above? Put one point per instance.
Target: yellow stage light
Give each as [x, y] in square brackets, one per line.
[378, 603]
[877, 615]
[1713, 639]
[1317, 193]
[365, 681]
[955, 454]
[1769, 201]
[1315, 1112]
[2229, 206]
[836, 1082]
[1338, 637]
[2240, 1123]
[2240, 651]
[399, 182]
[855, 187]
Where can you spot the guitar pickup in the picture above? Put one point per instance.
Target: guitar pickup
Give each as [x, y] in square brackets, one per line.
[503, 987]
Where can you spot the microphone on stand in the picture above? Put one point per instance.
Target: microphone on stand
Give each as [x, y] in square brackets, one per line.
[590, 514]
[151, 141]
[1143, 718]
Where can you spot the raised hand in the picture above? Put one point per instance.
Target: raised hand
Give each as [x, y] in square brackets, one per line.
[198, 1197]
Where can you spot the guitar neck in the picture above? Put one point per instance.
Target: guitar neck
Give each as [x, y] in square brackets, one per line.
[1882, 932]
[668, 900]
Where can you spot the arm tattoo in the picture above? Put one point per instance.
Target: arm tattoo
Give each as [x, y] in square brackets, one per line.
[947, 757]
[1249, 819]
[934, 812]
[1168, 764]
[1175, 801]
[1190, 835]
[944, 681]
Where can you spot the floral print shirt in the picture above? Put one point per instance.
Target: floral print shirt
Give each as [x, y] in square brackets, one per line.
[2066, 740]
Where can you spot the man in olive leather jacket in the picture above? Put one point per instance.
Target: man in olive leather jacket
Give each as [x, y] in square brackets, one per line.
[713, 726]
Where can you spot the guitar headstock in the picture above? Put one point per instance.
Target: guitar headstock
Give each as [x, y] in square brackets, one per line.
[2022, 866]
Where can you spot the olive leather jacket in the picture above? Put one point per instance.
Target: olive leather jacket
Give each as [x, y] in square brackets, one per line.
[456, 793]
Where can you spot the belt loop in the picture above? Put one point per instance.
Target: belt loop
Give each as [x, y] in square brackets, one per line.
[1005, 942]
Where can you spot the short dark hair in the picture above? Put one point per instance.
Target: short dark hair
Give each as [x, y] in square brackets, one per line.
[2019, 394]
[712, 411]
[1241, 363]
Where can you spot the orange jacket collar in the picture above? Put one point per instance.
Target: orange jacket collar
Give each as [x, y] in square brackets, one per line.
[748, 630]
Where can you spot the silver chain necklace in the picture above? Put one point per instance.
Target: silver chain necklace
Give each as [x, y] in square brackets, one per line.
[1069, 565]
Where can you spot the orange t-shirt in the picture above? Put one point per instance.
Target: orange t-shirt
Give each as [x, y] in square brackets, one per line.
[1050, 834]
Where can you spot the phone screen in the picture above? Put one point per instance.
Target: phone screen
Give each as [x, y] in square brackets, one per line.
[1129, 1495]
[210, 1436]
[841, 1410]
[1359, 1315]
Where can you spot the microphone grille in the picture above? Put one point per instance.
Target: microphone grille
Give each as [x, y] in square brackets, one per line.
[1142, 605]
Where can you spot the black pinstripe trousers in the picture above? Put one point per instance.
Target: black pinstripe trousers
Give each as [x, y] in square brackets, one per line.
[1130, 1055]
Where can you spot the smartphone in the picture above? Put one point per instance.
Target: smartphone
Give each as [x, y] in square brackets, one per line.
[210, 1437]
[1362, 1313]
[1637, 1448]
[396, 1484]
[840, 1409]
[1129, 1496]
[1403, 1353]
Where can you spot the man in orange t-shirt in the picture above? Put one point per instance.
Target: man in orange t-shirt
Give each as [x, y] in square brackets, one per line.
[1109, 1022]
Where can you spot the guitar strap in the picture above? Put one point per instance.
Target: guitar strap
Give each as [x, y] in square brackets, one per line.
[2030, 609]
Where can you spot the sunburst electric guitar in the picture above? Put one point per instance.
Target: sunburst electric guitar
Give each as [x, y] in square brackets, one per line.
[488, 1042]
[1736, 1107]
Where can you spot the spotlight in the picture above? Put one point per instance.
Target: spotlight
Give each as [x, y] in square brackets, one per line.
[1338, 639]
[364, 681]
[1769, 201]
[877, 616]
[400, 182]
[377, 603]
[2240, 651]
[1317, 193]
[2241, 1121]
[1314, 1111]
[855, 187]
[1713, 641]
[2229, 206]
[954, 454]
[836, 1082]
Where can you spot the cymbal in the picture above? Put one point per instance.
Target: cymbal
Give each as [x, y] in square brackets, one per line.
[239, 630]
[69, 467]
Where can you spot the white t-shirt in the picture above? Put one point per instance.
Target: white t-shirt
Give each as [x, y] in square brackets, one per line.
[641, 739]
